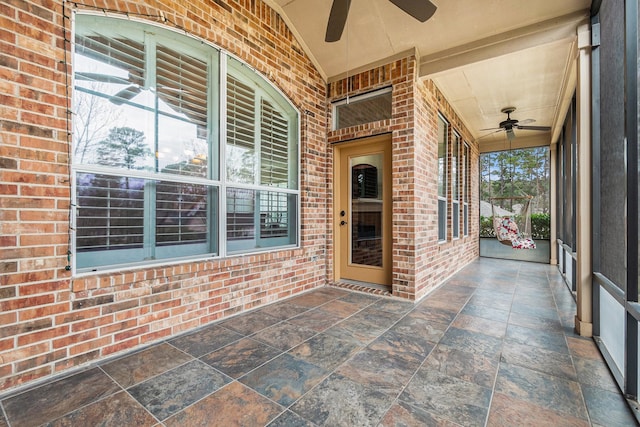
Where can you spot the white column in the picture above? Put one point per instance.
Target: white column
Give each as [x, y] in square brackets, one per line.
[584, 283]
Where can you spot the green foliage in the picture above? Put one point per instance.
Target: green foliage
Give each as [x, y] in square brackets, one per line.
[517, 173]
[541, 226]
[486, 227]
[124, 147]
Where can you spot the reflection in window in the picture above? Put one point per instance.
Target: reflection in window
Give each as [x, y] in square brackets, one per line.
[240, 214]
[110, 91]
[466, 187]
[274, 147]
[181, 213]
[366, 216]
[241, 131]
[181, 82]
[269, 225]
[110, 212]
[110, 217]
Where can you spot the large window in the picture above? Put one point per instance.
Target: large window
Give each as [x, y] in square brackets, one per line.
[455, 185]
[167, 154]
[443, 139]
[466, 187]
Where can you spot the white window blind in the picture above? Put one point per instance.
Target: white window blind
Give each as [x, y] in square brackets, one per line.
[181, 213]
[110, 212]
[274, 149]
[241, 131]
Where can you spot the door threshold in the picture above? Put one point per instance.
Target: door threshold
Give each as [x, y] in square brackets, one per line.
[356, 285]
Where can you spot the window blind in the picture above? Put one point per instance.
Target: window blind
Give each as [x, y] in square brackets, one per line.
[274, 147]
[110, 213]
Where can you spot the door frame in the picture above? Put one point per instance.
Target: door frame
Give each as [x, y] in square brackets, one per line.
[341, 152]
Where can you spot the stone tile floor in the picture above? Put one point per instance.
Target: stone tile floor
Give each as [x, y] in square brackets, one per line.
[493, 346]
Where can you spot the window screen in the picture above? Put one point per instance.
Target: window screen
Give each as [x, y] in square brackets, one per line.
[362, 109]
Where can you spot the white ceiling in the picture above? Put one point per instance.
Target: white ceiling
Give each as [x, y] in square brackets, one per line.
[484, 55]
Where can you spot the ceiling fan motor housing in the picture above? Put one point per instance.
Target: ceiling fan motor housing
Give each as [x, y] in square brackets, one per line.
[508, 124]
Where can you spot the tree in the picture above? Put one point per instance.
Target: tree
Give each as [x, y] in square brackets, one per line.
[240, 164]
[517, 173]
[124, 147]
[91, 118]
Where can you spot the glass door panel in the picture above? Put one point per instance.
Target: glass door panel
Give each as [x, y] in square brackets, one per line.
[366, 210]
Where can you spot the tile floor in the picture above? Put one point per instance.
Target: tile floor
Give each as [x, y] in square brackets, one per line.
[494, 346]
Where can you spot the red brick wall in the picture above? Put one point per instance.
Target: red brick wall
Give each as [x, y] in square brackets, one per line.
[419, 262]
[436, 261]
[50, 321]
[400, 75]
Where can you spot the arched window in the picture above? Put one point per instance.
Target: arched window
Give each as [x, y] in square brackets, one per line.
[170, 160]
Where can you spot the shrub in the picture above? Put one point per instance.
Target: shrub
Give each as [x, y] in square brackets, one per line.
[541, 226]
[486, 227]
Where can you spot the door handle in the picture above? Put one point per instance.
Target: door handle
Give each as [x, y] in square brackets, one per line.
[343, 222]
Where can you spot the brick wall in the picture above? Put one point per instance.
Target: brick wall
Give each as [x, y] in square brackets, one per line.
[419, 263]
[436, 261]
[50, 321]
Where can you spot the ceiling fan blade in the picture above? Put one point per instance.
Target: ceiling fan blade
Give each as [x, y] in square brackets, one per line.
[337, 20]
[542, 128]
[496, 129]
[102, 78]
[126, 94]
[419, 9]
[489, 134]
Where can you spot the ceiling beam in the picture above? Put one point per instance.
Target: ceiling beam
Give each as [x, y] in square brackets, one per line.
[551, 30]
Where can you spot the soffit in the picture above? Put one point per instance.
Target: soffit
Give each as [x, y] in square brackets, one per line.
[483, 55]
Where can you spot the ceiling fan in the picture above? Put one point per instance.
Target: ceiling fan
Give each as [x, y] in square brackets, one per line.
[131, 90]
[419, 9]
[124, 95]
[510, 124]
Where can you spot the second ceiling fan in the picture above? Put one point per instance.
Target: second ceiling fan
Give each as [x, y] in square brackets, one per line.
[419, 9]
[510, 124]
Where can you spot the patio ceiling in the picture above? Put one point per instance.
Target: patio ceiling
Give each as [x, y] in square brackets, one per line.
[483, 55]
